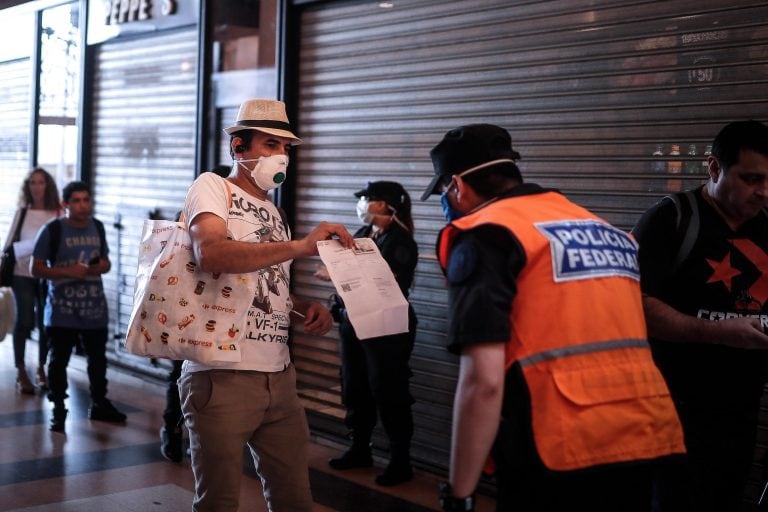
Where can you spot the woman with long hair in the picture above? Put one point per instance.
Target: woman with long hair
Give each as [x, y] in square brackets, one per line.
[375, 372]
[38, 204]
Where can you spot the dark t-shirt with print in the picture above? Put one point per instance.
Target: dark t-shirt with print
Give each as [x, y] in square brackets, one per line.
[722, 277]
[73, 303]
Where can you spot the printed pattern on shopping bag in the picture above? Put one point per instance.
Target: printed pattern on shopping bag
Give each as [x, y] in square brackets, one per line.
[179, 311]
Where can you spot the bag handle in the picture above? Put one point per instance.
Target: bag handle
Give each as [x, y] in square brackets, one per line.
[229, 198]
[18, 223]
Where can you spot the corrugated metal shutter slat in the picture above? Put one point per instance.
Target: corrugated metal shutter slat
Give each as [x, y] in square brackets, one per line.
[143, 148]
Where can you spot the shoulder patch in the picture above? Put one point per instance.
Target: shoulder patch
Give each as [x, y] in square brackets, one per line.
[463, 262]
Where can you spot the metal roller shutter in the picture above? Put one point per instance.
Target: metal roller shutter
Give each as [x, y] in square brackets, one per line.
[590, 90]
[14, 136]
[143, 147]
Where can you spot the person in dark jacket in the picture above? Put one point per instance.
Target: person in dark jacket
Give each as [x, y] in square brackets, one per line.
[375, 372]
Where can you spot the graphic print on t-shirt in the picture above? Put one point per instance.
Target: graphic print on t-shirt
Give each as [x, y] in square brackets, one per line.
[268, 320]
[74, 303]
[740, 271]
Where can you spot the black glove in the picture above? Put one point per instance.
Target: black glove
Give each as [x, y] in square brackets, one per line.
[335, 305]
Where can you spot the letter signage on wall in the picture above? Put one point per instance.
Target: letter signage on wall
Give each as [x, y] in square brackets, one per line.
[108, 19]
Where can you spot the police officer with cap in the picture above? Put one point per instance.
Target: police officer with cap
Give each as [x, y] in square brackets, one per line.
[556, 380]
[375, 372]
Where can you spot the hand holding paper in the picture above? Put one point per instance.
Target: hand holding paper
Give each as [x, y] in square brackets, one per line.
[374, 303]
[325, 231]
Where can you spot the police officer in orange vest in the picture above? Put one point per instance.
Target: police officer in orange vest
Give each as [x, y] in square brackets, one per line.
[556, 379]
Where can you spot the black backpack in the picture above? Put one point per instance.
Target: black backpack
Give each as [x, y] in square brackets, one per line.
[688, 223]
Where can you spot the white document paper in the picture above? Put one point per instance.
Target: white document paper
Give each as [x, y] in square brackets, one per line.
[375, 305]
[23, 248]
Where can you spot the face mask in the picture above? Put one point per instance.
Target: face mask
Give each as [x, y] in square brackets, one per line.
[269, 171]
[449, 211]
[363, 214]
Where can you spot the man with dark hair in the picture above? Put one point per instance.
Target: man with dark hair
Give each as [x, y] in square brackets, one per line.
[72, 254]
[236, 229]
[705, 292]
[556, 378]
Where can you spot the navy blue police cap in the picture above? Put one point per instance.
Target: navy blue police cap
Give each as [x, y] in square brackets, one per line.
[467, 147]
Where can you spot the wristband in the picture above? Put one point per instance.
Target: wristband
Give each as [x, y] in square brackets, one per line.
[450, 503]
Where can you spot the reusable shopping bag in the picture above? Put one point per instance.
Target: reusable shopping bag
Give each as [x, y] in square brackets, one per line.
[180, 312]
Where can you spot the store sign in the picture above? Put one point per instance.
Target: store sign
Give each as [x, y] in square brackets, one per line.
[126, 11]
[108, 19]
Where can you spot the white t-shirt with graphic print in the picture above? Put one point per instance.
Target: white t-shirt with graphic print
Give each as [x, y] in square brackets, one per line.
[249, 219]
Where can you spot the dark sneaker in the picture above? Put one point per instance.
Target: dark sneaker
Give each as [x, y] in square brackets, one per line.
[171, 444]
[105, 411]
[395, 474]
[58, 418]
[352, 459]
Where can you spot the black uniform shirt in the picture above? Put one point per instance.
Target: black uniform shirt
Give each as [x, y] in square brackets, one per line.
[399, 250]
[482, 271]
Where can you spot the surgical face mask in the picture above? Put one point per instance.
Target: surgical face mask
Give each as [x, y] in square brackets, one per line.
[363, 214]
[449, 211]
[269, 171]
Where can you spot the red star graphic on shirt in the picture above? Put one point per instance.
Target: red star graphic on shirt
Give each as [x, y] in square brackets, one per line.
[723, 271]
[759, 289]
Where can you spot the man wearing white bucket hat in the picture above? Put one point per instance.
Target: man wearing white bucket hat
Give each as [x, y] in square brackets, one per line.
[235, 228]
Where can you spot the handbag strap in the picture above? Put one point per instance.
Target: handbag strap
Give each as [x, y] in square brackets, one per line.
[229, 199]
[18, 223]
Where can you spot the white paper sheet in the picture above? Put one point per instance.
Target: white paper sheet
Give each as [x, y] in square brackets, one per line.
[23, 248]
[375, 305]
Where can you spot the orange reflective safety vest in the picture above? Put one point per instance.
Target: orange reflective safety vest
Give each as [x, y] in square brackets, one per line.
[578, 334]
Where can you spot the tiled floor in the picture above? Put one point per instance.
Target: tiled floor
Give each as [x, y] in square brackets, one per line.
[101, 467]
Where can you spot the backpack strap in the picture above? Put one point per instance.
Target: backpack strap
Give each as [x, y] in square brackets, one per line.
[687, 223]
[688, 219]
[54, 238]
[102, 237]
[691, 232]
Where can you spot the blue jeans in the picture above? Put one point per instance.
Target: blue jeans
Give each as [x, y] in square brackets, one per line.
[29, 294]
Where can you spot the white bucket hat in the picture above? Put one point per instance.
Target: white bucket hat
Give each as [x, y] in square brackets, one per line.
[266, 116]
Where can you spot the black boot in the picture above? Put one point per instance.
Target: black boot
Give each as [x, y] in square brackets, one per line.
[103, 410]
[58, 418]
[397, 471]
[358, 456]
